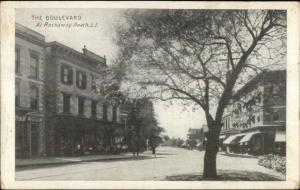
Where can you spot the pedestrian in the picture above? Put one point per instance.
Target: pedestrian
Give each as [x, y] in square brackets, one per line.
[153, 150]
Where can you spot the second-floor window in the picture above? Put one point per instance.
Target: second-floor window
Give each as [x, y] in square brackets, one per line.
[66, 75]
[66, 103]
[94, 108]
[34, 96]
[104, 111]
[81, 80]
[17, 95]
[17, 60]
[80, 105]
[114, 113]
[275, 116]
[34, 66]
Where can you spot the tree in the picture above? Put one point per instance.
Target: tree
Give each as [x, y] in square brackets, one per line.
[143, 123]
[200, 56]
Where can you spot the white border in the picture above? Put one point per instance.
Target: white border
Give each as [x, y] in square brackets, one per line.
[7, 94]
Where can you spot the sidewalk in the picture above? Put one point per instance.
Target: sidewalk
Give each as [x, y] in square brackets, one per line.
[40, 161]
[237, 155]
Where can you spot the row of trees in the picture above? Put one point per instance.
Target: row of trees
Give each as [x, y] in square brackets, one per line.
[143, 125]
[140, 120]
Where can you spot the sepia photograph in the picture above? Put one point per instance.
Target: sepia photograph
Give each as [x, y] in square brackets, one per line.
[105, 94]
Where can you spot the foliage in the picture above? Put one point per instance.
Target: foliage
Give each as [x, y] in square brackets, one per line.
[274, 162]
[142, 120]
[199, 56]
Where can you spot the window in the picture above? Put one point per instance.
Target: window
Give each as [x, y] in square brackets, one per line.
[94, 108]
[104, 111]
[114, 113]
[66, 75]
[34, 97]
[81, 106]
[66, 103]
[267, 117]
[253, 119]
[17, 95]
[81, 80]
[34, 64]
[17, 60]
[258, 119]
[276, 116]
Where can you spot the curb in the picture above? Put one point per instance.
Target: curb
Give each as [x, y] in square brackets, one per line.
[74, 162]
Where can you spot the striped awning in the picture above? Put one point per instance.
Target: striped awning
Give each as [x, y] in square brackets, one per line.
[280, 136]
[231, 138]
[222, 136]
[248, 136]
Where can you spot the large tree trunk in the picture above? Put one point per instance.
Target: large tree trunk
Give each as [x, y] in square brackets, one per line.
[211, 150]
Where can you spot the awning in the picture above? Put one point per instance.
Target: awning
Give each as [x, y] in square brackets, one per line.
[248, 136]
[231, 138]
[280, 136]
[222, 136]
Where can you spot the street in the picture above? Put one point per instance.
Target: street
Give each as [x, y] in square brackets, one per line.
[168, 162]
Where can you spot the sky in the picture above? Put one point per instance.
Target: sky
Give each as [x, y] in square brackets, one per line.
[99, 38]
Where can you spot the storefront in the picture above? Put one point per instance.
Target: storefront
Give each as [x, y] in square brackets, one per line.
[257, 141]
[82, 136]
[29, 134]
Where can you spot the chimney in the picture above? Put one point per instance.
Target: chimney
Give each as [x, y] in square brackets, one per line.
[84, 50]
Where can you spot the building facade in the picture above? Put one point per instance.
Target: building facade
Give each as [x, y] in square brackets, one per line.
[58, 110]
[79, 120]
[254, 122]
[195, 138]
[29, 92]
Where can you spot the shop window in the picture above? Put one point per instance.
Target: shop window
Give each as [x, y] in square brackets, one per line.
[66, 75]
[81, 80]
[17, 95]
[34, 97]
[66, 103]
[94, 108]
[17, 60]
[104, 111]
[34, 66]
[81, 106]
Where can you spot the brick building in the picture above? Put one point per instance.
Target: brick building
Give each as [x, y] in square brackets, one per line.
[255, 120]
[29, 96]
[57, 109]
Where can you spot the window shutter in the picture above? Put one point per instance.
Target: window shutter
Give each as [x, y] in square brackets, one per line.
[70, 76]
[84, 81]
[77, 79]
[62, 74]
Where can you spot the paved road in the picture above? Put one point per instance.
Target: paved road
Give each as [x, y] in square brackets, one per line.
[168, 162]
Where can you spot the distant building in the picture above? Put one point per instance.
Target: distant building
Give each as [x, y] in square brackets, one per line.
[195, 137]
[255, 120]
[29, 92]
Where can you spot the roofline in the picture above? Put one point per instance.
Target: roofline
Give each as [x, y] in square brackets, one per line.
[255, 80]
[55, 43]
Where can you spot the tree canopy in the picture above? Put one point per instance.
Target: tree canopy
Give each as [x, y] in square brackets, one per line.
[200, 55]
